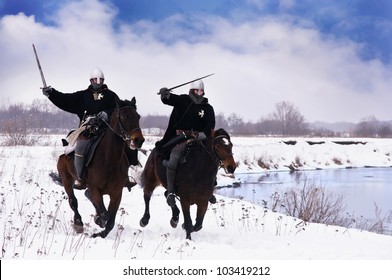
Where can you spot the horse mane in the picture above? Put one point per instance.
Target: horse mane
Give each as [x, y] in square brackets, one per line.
[124, 103]
[221, 132]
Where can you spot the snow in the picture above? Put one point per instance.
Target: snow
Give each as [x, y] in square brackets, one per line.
[37, 220]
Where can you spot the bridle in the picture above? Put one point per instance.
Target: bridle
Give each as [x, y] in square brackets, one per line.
[221, 160]
[215, 156]
[123, 134]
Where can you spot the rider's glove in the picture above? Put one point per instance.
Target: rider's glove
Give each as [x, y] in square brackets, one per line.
[46, 91]
[103, 116]
[201, 136]
[165, 93]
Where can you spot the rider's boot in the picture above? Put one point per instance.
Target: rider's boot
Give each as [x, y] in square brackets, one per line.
[79, 163]
[171, 177]
[171, 170]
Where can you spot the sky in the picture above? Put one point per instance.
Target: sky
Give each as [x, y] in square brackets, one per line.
[36, 221]
[331, 59]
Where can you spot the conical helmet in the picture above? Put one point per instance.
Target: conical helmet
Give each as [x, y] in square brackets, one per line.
[97, 74]
[197, 85]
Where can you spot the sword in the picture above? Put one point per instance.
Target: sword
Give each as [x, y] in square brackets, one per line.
[39, 68]
[189, 82]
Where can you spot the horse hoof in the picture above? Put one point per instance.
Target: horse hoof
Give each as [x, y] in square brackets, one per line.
[99, 221]
[173, 223]
[99, 234]
[197, 228]
[188, 236]
[143, 222]
[102, 234]
[78, 228]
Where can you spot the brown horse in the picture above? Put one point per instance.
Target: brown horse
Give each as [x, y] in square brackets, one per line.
[107, 171]
[195, 180]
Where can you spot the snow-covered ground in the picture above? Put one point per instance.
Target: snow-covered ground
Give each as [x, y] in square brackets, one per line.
[36, 218]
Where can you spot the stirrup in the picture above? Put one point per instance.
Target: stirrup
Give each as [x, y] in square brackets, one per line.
[171, 199]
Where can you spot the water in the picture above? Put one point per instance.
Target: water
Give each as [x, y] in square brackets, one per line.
[363, 188]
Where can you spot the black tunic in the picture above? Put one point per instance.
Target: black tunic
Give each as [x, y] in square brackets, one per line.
[187, 115]
[85, 102]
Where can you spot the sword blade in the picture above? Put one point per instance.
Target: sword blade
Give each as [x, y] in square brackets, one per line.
[39, 67]
[189, 82]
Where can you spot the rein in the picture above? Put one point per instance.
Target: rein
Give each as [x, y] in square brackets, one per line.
[122, 134]
[218, 160]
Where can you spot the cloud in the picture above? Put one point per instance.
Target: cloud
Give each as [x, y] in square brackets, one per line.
[257, 63]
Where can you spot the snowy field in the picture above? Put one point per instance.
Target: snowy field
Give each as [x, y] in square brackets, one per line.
[37, 221]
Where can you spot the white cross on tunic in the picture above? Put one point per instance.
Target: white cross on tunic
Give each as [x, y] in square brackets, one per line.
[201, 113]
[97, 96]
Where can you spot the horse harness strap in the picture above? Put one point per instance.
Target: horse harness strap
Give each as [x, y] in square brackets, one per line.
[188, 147]
[122, 134]
[215, 156]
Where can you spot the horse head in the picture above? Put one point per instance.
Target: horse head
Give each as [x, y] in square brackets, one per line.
[223, 150]
[125, 123]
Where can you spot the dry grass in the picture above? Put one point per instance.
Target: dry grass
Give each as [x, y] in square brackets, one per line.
[313, 202]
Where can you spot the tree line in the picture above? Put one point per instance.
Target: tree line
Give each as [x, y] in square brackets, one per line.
[285, 120]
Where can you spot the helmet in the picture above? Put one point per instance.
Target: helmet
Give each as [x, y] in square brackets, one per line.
[97, 74]
[197, 85]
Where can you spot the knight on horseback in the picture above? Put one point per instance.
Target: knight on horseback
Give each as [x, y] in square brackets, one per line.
[93, 106]
[191, 115]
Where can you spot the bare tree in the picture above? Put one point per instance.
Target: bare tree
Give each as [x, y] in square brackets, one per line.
[266, 126]
[234, 121]
[371, 127]
[18, 131]
[290, 120]
[154, 121]
[221, 121]
[385, 130]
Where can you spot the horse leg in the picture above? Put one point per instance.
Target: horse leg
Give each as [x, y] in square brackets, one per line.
[175, 216]
[201, 211]
[187, 219]
[67, 181]
[73, 203]
[146, 216]
[101, 216]
[111, 214]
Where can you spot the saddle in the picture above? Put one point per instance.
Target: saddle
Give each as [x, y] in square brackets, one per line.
[190, 145]
[92, 146]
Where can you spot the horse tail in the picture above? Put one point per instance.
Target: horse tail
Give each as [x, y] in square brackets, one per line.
[56, 178]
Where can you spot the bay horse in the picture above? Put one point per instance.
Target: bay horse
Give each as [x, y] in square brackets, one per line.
[195, 179]
[107, 171]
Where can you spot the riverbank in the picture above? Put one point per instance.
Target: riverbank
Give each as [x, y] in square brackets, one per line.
[256, 154]
[36, 220]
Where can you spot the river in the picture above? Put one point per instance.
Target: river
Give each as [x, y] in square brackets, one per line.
[363, 188]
